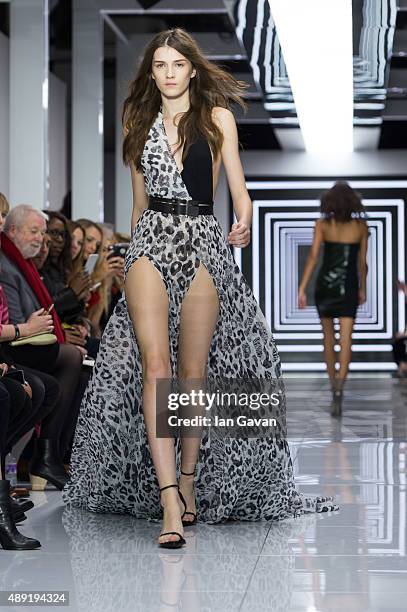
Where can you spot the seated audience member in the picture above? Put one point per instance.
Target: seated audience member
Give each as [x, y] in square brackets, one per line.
[68, 295]
[76, 327]
[43, 391]
[10, 510]
[93, 246]
[21, 240]
[77, 334]
[68, 291]
[97, 241]
[78, 261]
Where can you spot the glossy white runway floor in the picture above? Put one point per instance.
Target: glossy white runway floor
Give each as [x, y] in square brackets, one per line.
[354, 559]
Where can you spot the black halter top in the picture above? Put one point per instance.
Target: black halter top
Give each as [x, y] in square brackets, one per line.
[197, 171]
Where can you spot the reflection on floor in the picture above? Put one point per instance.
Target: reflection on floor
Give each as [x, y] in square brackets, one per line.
[354, 559]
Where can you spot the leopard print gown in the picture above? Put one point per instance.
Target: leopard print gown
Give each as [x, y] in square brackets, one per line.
[111, 468]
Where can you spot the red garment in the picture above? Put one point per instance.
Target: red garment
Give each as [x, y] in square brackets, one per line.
[31, 275]
[94, 299]
[3, 309]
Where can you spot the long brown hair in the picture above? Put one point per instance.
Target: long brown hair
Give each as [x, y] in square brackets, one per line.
[86, 224]
[210, 87]
[342, 203]
[79, 262]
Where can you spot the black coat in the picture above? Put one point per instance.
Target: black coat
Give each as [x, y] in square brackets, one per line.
[67, 305]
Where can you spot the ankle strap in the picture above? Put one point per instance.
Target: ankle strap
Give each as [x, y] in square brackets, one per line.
[169, 487]
[188, 474]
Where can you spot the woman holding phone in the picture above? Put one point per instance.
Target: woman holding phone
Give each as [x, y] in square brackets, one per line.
[102, 270]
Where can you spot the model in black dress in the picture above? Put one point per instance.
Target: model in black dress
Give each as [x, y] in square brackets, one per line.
[337, 285]
[341, 281]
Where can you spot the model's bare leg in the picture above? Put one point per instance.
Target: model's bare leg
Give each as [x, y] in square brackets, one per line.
[147, 302]
[345, 356]
[199, 315]
[329, 347]
[346, 327]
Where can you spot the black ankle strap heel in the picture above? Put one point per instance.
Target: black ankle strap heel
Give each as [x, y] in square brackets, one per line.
[181, 541]
[194, 521]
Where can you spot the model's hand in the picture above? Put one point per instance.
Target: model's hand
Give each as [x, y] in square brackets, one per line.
[239, 236]
[302, 300]
[362, 297]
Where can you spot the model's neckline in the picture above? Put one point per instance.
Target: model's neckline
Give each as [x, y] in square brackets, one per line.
[160, 113]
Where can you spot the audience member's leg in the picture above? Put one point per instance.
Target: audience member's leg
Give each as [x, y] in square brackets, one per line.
[46, 464]
[41, 358]
[69, 429]
[4, 421]
[21, 410]
[67, 372]
[10, 537]
[45, 390]
[64, 362]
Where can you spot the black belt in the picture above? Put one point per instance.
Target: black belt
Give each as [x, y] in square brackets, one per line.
[178, 206]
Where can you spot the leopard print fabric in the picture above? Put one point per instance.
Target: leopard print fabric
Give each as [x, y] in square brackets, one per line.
[111, 468]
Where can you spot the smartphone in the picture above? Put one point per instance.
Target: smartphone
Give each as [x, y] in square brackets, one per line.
[118, 250]
[17, 375]
[91, 263]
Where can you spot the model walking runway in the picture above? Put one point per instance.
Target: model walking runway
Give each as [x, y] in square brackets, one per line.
[112, 469]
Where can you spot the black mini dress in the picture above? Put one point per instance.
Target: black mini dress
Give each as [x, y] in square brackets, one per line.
[337, 285]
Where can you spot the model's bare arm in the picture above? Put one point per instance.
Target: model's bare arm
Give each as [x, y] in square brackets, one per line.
[310, 263]
[363, 264]
[242, 205]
